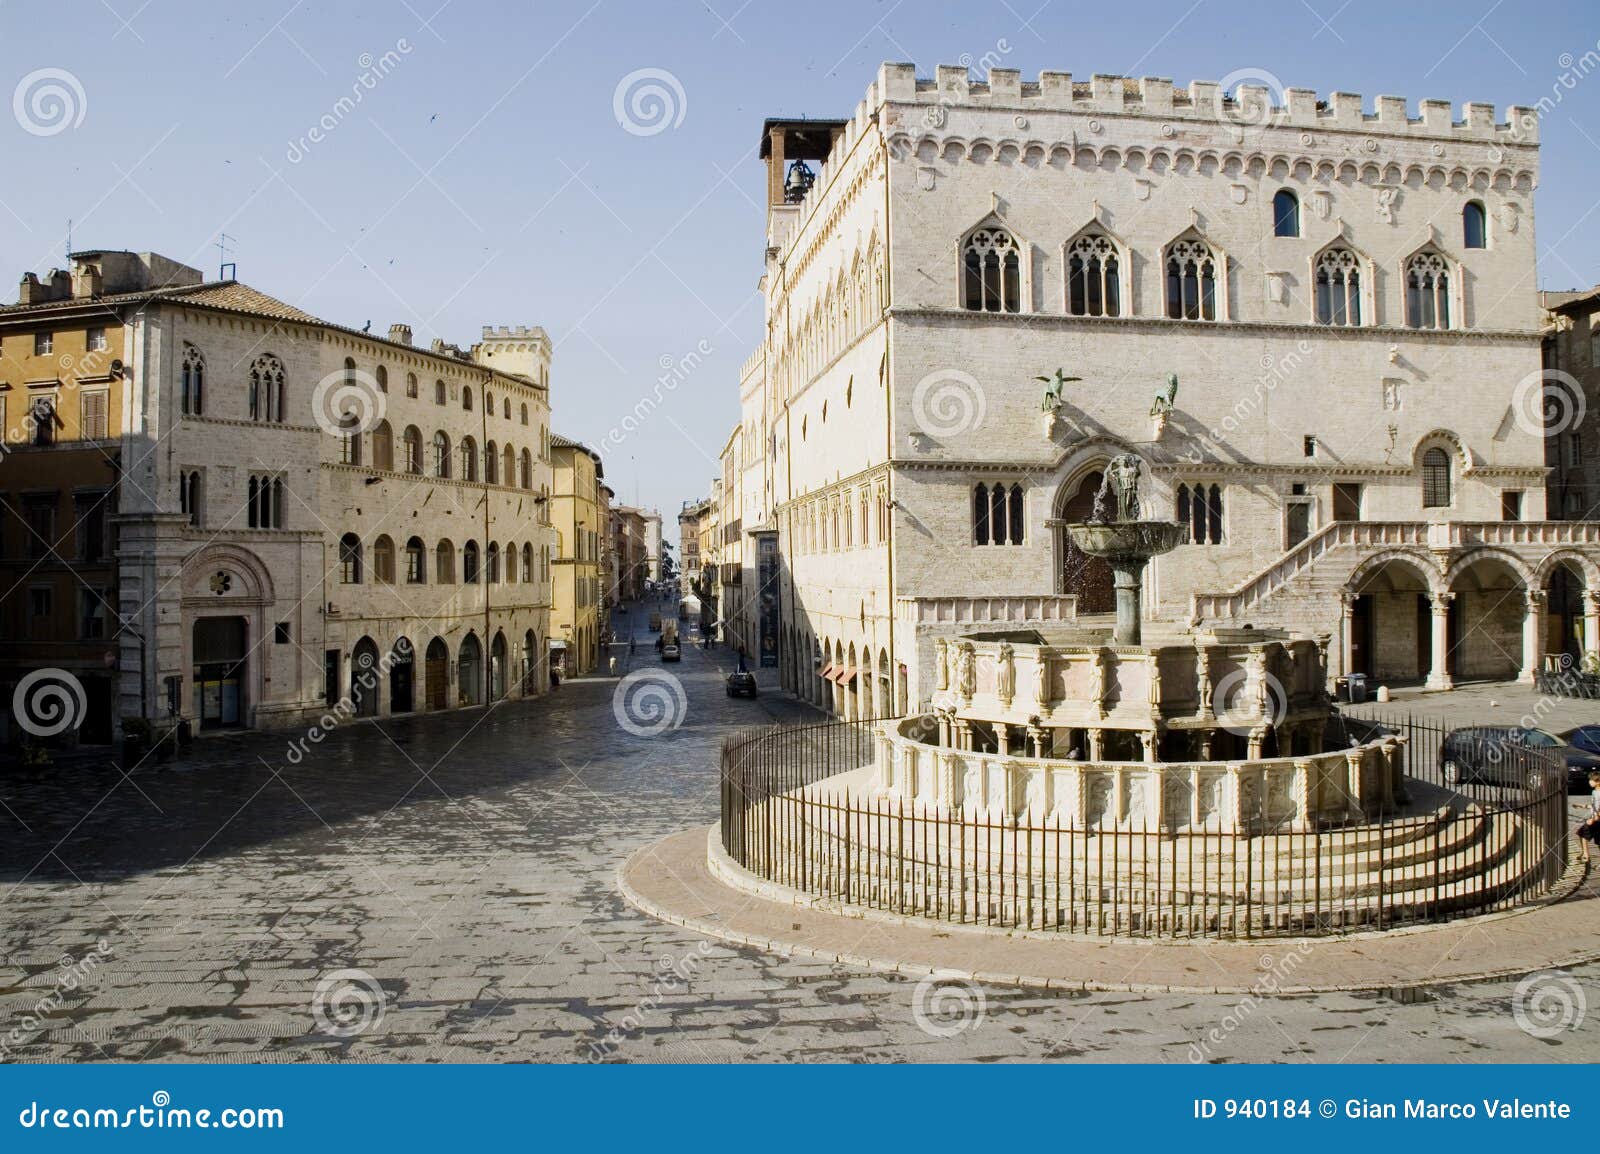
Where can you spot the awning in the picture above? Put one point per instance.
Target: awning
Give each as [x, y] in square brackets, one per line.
[841, 675]
[827, 671]
[557, 643]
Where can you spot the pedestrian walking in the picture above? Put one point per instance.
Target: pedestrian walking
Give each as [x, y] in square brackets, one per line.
[1589, 831]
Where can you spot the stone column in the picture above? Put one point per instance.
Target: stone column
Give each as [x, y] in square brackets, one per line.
[1038, 735]
[1148, 739]
[1303, 793]
[1438, 673]
[1096, 744]
[1532, 636]
[1002, 739]
[1591, 624]
[1347, 632]
[1352, 759]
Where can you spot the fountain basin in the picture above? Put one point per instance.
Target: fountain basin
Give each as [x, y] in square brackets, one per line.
[1130, 540]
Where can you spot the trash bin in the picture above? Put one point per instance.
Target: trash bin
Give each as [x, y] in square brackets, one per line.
[1357, 688]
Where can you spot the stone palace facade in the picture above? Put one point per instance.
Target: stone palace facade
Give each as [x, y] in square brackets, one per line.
[1345, 296]
[308, 517]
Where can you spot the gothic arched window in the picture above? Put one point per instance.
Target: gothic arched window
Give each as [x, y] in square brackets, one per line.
[266, 389]
[441, 454]
[1427, 292]
[1192, 274]
[1338, 288]
[194, 381]
[469, 459]
[1094, 286]
[991, 278]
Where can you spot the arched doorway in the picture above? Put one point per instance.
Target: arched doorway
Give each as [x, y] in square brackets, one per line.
[220, 663]
[1564, 591]
[364, 678]
[1391, 623]
[401, 678]
[497, 667]
[530, 664]
[436, 672]
[1087, 578]
[469, 671]
[1488, 610]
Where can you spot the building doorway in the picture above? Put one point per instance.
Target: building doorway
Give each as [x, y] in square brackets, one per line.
[364, 678]
[401, 678]
[220, 667]
[469, 671]
[1088, 578]
[497, 667]
[436, 670]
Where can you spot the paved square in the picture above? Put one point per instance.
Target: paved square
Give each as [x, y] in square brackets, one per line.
[465, 864]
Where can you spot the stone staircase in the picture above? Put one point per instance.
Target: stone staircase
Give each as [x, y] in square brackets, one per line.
[1454, 858]
[1273, 595]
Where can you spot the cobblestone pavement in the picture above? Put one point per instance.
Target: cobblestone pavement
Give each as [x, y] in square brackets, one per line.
[465, 865]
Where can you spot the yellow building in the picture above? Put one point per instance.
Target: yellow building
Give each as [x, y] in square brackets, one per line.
[63, 376]
[578, 511]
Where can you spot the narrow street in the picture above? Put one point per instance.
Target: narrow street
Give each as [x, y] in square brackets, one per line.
[465, 864]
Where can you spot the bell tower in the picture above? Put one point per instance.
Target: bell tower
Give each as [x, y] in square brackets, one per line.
[794, 150]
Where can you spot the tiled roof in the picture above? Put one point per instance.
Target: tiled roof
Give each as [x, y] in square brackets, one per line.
[241, 298]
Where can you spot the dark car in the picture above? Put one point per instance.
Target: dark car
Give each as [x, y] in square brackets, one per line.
[741, 683]
[1512, 755]
[1585, 737]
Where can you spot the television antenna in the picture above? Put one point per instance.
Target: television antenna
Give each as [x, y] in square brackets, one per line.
[227, 269]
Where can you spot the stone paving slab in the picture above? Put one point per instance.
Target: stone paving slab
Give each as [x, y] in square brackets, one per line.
[683, 879]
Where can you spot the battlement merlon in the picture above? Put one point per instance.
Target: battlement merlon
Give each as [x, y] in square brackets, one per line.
[1254, 105]
[514, 333]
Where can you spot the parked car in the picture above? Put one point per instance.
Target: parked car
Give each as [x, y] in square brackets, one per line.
[1493, 755]
[1585, 737]
[742, 683]
[671, 652]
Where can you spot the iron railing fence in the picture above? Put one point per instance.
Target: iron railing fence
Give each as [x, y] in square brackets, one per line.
[1560, 675]
[1481, 826]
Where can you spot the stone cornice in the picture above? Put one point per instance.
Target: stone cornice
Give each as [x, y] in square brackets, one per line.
[1388, 334]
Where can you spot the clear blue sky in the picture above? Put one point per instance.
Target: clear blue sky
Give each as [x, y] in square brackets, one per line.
[486, 180]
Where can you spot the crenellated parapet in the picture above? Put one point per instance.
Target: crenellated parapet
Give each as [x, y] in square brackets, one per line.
[1249, 106]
